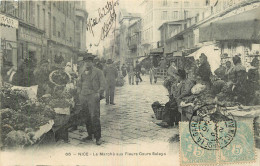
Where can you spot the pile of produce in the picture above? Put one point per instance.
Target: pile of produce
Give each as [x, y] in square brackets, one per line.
[59, 77]
[12, 98]
[16, 124]
[21, 117]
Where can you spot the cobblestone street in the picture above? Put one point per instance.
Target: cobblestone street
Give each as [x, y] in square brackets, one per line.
[131, 120]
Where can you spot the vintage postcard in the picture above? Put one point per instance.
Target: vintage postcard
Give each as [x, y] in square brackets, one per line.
[129, 82]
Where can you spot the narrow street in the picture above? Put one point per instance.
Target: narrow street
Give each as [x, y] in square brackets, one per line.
[131, 120]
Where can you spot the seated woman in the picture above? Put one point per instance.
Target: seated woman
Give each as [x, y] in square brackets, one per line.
[183, 88]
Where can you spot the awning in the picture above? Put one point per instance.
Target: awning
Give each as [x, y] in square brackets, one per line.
[156, 51]
[212, 54]
[244, 26]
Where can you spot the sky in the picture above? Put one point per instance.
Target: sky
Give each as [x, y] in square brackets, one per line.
[92, 7]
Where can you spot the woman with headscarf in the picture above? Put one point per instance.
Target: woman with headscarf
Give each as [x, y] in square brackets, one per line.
[204, 71]
[252, 82]
[240, 89]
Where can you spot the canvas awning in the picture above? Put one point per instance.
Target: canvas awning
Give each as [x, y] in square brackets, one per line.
[156, 51]
[244, 26]
[213, 56]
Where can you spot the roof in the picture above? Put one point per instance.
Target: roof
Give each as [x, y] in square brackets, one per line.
[181, 33]
[126, 14]
[179, 22]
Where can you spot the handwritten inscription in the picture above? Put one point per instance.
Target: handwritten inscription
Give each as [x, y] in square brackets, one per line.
[109, 8]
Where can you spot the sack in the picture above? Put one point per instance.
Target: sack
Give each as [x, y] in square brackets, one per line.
[30, 92]
[197, 89]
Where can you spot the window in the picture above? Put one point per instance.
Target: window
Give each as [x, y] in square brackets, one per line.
[175, 4]
[175, 15]
[186, 3]
[49, 4]
[63, 30]
[186, 14]
[54, 26]
[164, 15]
[49, 18]
[38, 16]
[164, 2]
[43, 13]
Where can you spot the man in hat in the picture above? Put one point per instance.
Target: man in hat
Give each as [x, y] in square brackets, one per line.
[91, 84]
[111, 75]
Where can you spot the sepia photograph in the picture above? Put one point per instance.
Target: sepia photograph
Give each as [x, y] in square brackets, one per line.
[129, 82]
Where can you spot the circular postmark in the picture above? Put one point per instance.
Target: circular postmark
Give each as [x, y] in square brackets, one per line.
[212, 131]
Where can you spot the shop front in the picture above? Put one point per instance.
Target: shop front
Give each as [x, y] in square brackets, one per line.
[8, 45]
[241, 35]
[31, 43]
[61, 54]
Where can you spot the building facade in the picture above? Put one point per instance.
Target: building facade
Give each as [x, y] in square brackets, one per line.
[48, 29]
[134, 41]
[228, 27]
[157, 12]
[125, 20]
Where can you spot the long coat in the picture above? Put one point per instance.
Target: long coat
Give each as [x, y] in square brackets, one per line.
[111, 74]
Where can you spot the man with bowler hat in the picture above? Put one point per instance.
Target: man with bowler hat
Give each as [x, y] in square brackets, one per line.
[111, 75]
[91, 84]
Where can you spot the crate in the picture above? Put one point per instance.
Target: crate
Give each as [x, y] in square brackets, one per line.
[158, 112]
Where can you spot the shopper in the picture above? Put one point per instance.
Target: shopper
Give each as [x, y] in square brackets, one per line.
[123, 69]
[111, 75]
[138, 72]
[91, 84]
[131, 74]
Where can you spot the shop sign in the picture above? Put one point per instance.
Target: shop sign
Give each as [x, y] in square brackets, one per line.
[29, 35]
[8, 21]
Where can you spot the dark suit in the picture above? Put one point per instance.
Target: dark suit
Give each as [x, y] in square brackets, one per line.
[91, 85]
[111, 74]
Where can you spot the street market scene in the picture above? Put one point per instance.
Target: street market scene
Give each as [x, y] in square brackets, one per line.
[128, 77]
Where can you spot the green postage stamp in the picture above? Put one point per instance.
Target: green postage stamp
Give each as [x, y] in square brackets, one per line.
[210, 143]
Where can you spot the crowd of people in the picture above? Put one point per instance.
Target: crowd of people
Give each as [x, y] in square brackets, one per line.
[230, 83]
[92, 78]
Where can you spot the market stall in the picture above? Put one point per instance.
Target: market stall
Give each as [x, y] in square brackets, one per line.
[26, 117]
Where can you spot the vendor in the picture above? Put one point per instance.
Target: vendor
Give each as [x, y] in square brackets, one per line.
[252, 82]
[204, 70]
[228, 71]
[41, 74]
[183, 89]
[24, 75]
[220, 72]
[240, 89]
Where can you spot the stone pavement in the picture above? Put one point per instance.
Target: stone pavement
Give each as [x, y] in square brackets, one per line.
[131, 120]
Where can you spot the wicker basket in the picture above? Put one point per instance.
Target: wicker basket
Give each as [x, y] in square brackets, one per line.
[158, 111]
[50, 78]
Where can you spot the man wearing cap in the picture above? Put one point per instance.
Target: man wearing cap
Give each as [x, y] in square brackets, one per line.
[111, 75]
[91, 84]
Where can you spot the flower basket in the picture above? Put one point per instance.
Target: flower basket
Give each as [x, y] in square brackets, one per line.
[59, 77]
